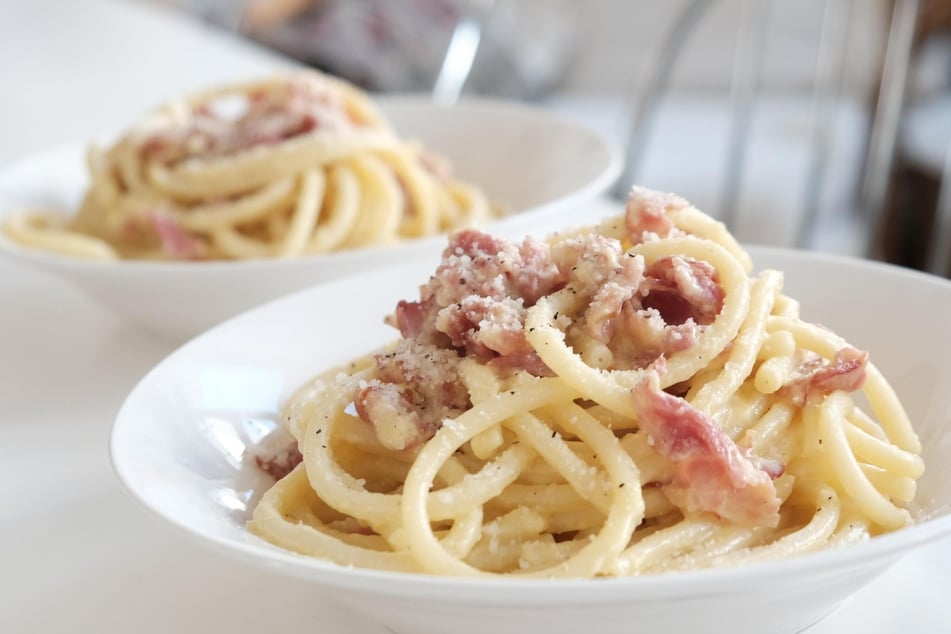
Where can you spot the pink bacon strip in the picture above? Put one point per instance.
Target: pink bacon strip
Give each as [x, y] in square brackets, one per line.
[710, 473]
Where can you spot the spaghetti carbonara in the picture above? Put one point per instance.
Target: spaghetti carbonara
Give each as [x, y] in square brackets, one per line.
[621, 399]
[294, 165]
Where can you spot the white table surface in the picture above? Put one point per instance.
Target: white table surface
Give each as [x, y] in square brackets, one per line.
[76, 554]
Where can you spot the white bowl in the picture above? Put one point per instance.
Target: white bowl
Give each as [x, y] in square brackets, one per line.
[537, 165]
[179, 438]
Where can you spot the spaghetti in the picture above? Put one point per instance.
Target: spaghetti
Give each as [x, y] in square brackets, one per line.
[293, 165]
[621, 399]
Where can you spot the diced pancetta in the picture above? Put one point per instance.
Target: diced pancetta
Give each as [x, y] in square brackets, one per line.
[681, 288]
[266, 117]
[278, 464]
[476, 300]
[710, 473]
[817, 376]
[604, 275]
[475, 305]
[417, 385]
[177, 243]
[646, 213]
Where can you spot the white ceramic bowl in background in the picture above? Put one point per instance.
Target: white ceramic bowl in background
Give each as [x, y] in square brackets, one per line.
[178, 441]
[537, 165]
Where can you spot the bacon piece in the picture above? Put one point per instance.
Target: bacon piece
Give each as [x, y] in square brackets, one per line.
[410, 318]
[677, 296]
[429, 371]
[491, 331]
[417, 386]
[278, 464]
[476, 263]
[397, 423]
[176, 242]
[529, 361]
[818, 377]
[710, 473]
[772, 468]
[651, 336]
[641, 312]
[682, 288]
[589, 260]
[604, 275]
[476, 300]
[536, 275]
[436, 164]
[484, 326]
[646, 213]
[846, 373]
[297, 107]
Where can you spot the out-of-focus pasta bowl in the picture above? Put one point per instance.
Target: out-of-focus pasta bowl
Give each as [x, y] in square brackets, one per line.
[179, 441]
[535, 165]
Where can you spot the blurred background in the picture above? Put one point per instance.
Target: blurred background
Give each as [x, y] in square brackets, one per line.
[821, 124]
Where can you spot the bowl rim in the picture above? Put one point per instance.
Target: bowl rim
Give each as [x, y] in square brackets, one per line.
[599, 184]
[880, 551]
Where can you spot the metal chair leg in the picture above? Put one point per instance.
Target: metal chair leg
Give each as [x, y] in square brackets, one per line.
[884, 134]
[829, 86]
[939, 256]
[748, 60]
[657, 83]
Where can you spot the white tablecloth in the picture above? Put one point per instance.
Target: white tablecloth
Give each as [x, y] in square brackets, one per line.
[76, 554]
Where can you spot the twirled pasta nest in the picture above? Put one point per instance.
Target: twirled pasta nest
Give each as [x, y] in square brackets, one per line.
[618, 400]
[293, 165]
